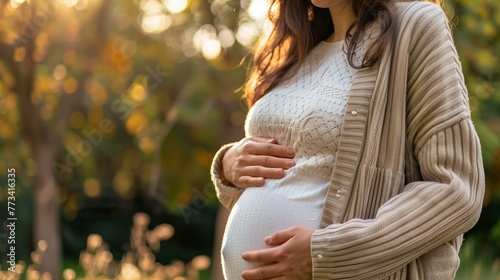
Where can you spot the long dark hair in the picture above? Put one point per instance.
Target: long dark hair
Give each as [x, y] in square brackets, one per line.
[297, 26]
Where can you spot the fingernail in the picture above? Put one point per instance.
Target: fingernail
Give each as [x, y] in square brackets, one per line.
[279, 172]
[290, 152]
[267, 239]
[243, 255]
[290, 163]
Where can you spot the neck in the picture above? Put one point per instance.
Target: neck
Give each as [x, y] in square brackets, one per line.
[342, 17]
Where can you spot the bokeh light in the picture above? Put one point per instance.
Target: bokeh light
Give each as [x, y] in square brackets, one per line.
[175, 6]
[94, 241]
[92, 187]
[147, 145]
[201, 262]
[70, 85]
[59, 72]
[81, 5]
[211, 49]
[137, 92]
[226, 38]
[247, 33]
[16, 3]
[136, 122]
[122, 184]
[69, 274]
[155, 23]
[130, 272]
[70, 3]
[257, 10]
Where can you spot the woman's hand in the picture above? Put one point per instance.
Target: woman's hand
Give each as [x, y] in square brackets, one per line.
[290, 258]
[249, 162]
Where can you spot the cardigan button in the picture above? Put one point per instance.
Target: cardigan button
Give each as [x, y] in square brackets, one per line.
[354, 112]
[320, 256]
[338, 195]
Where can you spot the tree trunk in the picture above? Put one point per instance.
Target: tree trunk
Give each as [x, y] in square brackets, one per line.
[47, 217]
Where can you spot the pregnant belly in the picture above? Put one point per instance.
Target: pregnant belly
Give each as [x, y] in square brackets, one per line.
[260, 212]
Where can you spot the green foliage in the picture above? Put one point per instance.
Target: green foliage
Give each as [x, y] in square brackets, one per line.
[477, 37]
[155, 88]
[138, 93]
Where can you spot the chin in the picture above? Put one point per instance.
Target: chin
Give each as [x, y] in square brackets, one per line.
[328, 3]
[323, 3]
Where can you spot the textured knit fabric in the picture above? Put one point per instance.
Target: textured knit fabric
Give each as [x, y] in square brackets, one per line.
[408, 180]
[305, 113]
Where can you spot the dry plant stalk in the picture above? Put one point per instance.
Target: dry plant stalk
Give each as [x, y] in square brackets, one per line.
[138, 264]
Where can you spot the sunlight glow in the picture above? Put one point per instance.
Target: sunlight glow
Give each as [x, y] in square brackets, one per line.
[211, 49]
[150, 6]
[16, 3]
[155, 23]
[226, 38]
[81, 5]
[205, 33]
[175, 6]
[70, 3]
[247, 33]
[257, 9]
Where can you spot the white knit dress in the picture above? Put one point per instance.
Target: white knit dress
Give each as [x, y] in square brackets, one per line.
[306, 113]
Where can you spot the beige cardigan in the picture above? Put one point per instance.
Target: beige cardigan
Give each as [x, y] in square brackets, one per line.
[408, 180]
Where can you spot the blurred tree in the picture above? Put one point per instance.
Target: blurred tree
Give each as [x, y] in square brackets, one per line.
[122, 100]
[119, 99]
[43, 120]
[477, 37]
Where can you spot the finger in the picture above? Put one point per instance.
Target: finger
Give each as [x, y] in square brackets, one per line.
[259, 171]
[270, 161]
[279, 237]
[264, 140]
[248, 181]
[263, 272]
[268, 149]
[268, 255]
[254, 176]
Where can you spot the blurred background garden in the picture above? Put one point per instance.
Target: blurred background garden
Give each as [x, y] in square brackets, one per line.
[111, 112]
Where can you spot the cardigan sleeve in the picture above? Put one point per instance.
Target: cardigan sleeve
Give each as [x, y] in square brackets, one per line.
[227, 195]
[447, 201]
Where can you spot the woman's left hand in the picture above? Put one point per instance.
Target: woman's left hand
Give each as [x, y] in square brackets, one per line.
[289, 258]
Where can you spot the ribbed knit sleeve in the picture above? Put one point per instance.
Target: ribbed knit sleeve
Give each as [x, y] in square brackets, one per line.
[446, 202]
[227, 195]
[427, 214]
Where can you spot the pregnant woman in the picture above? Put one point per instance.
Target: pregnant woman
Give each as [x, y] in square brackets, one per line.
[361, 160]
